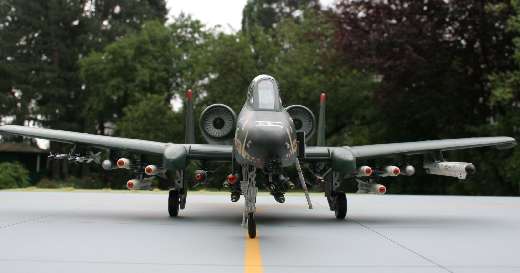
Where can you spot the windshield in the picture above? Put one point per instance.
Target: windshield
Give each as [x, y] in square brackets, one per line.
[266, 95]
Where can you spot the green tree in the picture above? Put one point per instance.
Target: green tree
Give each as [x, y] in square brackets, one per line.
[433, 57]
[153, 119]
[42, 42]
[267, 13]
[505, 99]
[302, 57]
[156, 60]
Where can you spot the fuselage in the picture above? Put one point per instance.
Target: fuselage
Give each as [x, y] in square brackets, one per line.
[265, 136]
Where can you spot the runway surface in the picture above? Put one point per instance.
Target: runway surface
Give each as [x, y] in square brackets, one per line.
[131, 232]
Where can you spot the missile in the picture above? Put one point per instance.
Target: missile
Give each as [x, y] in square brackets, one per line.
[151, 170]
[123, 163]
[377, 189]
[232, 179]
[200, 176]
[390, 171]
[364, 171]
[136, 184]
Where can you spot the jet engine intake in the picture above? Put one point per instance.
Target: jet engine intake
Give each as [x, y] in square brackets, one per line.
[303, 120]
[217, 123]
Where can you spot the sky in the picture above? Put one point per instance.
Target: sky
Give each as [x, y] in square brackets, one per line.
[227, 13]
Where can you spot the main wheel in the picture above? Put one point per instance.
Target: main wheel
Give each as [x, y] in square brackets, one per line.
[340, 205]
[251, 225]
[173, 203]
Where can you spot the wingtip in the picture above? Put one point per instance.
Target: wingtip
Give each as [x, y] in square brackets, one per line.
[508, 143]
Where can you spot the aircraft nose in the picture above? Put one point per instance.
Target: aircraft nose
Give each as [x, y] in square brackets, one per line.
[268, 145]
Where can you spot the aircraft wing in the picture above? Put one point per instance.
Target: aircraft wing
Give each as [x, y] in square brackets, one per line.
[194, 151]
[423, 147]
[318, 153]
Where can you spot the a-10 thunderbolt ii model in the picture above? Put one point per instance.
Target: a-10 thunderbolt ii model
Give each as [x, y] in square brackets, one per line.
[265, 139]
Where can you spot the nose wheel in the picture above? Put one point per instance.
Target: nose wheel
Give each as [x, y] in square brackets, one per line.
[249, 189]
[251, 225]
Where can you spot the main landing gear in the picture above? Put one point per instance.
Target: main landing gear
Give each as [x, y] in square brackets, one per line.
[338, 203]
[173, 203]
[177, 195]
[249, 189]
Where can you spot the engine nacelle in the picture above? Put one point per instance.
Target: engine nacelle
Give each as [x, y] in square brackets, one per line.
[136, 184]
[377, 189]
[364, 171]
[151, 170]
[459, 170]
[390, 171]
[303, 120]
[218, 123]
[123, 163]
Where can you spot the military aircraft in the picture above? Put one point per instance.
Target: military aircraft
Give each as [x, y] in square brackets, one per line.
[267, 139]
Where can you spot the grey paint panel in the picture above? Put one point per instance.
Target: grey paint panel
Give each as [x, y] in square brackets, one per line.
[195, 151]
[210, 152]
[421, 147]
[316, 153]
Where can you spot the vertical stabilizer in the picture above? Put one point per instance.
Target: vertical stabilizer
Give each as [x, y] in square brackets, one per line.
[189, 126]
[321, 121]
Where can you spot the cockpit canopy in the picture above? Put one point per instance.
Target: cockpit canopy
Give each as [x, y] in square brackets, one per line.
[263, 94]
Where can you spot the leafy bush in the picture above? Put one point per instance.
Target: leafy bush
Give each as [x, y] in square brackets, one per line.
[48, 184]
[13, 175]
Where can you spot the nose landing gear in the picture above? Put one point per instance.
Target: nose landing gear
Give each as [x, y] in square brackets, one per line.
[249, 189]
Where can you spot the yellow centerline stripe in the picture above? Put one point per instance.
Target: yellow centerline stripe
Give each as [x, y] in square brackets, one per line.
[252, 255]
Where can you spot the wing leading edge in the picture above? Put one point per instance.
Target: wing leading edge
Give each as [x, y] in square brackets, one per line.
[194, 151]
[422, 147]
[413, 148]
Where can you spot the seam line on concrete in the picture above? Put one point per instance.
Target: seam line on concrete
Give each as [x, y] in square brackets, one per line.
[402, 246]
[26, 221]
[240, 265]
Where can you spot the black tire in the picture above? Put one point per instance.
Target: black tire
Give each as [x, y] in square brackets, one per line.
[251, 225]
[340, 205]
[173, 203]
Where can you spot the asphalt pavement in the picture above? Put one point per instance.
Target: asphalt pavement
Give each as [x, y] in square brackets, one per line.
[131, 232]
